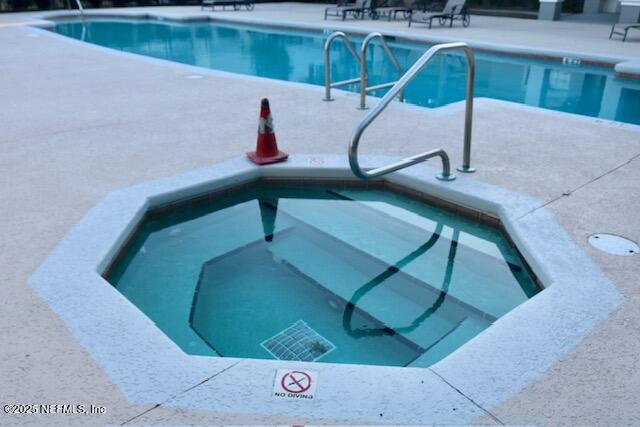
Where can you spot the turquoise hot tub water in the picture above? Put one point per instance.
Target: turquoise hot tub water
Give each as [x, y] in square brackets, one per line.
[320, 273]
[298, 56]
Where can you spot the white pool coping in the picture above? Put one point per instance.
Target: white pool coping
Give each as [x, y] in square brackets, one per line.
[149, 368]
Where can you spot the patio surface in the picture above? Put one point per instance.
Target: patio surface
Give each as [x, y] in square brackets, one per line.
[80, 121]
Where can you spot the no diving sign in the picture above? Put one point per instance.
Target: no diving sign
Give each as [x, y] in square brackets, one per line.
[293, 384]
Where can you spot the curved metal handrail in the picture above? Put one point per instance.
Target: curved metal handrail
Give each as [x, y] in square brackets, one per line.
[392, 93]
[327, 63]
[363, 68]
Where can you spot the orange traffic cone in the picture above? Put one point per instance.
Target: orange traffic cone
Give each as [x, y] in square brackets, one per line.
[267, 147]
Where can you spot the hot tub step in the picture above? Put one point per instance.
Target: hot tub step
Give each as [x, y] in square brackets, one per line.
[393, 239]
[397, 302]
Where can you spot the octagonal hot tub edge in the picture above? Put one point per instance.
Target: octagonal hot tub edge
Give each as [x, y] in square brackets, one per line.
[149, 368]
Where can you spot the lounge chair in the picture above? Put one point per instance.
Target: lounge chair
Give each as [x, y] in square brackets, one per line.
[452, 10]
[357, 9]
[237, 4]
[391, 10]
[624, 31]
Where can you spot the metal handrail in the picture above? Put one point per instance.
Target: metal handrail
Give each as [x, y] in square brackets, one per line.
[362, 60]
[80, 8]
[363, 68]
[327, 64]
[392, 93]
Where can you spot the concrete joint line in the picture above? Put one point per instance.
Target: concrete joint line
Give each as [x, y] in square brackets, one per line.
[457, 390]
[581, 186]
[157, 405]
[209, 378]
[74, 129]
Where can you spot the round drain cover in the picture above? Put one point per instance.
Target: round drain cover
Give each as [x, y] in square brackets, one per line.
[615, 245]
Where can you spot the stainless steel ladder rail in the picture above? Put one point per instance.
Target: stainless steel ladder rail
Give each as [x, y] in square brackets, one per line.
[392, 93]
[364, 77]
[80, 8]
[327, 64]
[360, 59]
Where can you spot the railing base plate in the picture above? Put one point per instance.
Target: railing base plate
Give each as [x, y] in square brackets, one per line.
[441, 177]
[465, 169]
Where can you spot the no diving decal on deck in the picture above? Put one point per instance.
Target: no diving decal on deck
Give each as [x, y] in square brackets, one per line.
[293, 384]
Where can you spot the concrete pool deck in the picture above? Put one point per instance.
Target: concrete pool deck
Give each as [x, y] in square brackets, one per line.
[80, 121]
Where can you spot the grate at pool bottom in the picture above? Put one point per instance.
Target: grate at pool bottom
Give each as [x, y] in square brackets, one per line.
[298, 342]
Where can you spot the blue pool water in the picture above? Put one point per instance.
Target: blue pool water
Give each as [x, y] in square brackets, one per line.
[298, 56]
[334, 274]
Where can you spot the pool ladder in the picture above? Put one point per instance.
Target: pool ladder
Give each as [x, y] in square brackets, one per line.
[80, 8]
[362, 60]
[397, 89]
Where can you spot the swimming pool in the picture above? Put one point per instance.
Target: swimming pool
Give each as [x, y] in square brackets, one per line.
[298, 56]
[337, 273]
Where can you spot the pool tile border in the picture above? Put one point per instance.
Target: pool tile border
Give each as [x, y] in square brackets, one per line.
[149, 368]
